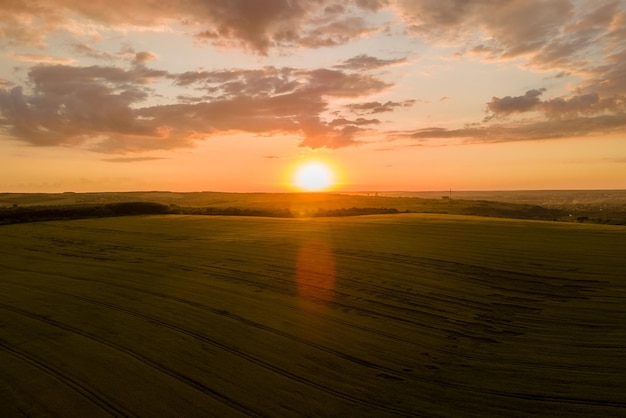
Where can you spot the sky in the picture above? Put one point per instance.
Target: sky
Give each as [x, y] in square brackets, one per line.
[234, 95]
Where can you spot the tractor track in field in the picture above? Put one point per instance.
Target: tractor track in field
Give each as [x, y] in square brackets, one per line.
[165, 370]
[278, 290]
[198, 385]
[327, 317]
[74, 384]
[285, 373]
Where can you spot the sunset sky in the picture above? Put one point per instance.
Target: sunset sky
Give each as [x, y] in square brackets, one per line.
[233, 95]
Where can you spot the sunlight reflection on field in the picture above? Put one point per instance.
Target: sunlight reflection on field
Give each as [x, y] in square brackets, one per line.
[315, 271]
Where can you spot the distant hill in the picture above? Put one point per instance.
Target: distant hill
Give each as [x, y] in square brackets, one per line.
[581, 206]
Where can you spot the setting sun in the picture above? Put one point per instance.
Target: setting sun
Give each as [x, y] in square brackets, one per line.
[314, 176]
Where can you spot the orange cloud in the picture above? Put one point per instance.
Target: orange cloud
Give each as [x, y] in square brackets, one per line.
[39, 58]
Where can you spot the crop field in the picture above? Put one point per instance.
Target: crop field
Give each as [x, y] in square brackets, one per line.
[385, 315]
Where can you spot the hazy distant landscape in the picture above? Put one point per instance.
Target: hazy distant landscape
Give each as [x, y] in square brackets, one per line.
[402, 314]
[595, 206]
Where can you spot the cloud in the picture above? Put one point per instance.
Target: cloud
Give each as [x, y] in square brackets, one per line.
[73, 104]
[38, 58]
[86, 50]
[113, 109]
[131, 159]
[513, 27]
[365, 62]
[256, 25]
[555, 108]
[357, 122]
[585, 104]
[378, 107]
[143, 57]
[104, 108]
[280, 81]
[508, 105]
[608, 78]
[583, 38]
[542, 130]
[277, 100]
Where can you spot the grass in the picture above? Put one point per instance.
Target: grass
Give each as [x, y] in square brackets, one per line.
[386, 315]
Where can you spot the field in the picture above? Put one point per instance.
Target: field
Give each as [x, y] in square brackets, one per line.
[385, 315]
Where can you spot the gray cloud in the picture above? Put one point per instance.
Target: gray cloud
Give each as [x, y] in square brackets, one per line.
[608, 78]
[555, 108]
[509, 105]
[365, 62]
[103, 107]
[131, 159]
[550, 129]
[583, 38]
[378, 107]
[256, 25]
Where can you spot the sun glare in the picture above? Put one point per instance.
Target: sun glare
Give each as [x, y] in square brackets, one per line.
[314, 176]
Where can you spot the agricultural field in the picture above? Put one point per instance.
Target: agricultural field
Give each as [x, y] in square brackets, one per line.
[384, 315]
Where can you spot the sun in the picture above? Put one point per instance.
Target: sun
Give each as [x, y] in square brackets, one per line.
[314, 176]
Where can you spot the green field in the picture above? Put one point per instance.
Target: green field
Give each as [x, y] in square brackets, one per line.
[386, 315]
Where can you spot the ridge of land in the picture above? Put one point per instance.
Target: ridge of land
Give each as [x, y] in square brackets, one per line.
[596, 206]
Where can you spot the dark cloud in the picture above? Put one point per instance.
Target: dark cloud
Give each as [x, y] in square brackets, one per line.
[339, 84]
[583, 38]
[357, 122]
[71, 105]
[550, 129]
[296, 112]
[105, 108]
[334, 33]
[275, 81]
[608, 78]
[555, 108]
[372, 5]
[514, 27]
[256, 25]
[131, 159]
[365, 62]
[378, 107]
[509, 105]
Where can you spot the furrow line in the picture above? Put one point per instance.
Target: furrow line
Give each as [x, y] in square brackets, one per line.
[172, 373]
[77, 386]
[231, 350]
